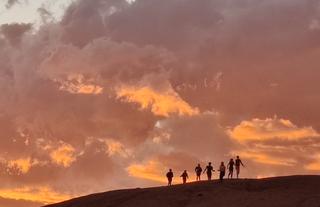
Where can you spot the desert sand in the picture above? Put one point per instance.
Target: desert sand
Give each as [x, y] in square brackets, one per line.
[293, 191]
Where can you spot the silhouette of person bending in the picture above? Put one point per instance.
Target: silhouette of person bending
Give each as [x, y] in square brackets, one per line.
[184, 177]
[170, 176]
[230, 168]
[238, 163]
[198, 171]
[222, 170]
[209, 170]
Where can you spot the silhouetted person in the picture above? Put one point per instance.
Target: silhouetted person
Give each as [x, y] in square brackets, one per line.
[230, 168]
[184, 177]
[209, 170]
[198, 171]
[222, 170]
[170, 176]
[238, 163]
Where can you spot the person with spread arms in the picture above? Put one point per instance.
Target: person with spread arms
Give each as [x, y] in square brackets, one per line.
[209, 170]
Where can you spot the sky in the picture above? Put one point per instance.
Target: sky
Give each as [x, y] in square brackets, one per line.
[98, 95]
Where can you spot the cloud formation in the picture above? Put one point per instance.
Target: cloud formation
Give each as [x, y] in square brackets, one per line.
[11, 3]
[118, 91]
[160, 103]
[260, 130]
[14, 32]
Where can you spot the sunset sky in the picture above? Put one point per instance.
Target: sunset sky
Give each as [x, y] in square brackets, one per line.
[99, 95]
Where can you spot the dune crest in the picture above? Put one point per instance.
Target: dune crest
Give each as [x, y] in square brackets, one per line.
[297, 191]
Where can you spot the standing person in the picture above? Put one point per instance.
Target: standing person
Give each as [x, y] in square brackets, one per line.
[184, 177]
[170, 176]
[198, 171]
[238, 163]
[209, 170]
[230, 168]
[222, 170]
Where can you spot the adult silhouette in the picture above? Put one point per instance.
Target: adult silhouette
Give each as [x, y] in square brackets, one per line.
[209, 170]
[184, 176]
[170, 176]
[238, 163]
[230, 168]
[198, 171]
[222, 170]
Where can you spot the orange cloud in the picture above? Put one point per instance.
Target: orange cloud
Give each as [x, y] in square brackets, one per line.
[76, 85]
[161, 103]
[260, 157]
[23, 164]
[152, 170]
[63, 155]
[116, 148]
[36, 194]
[315, 165]
[259, 129]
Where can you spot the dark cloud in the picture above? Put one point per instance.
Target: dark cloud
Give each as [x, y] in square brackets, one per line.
[45, 14]
[11, 3]
[116, 88]
[14, 32]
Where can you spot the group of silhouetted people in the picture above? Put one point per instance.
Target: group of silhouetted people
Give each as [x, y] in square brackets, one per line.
[209, 170]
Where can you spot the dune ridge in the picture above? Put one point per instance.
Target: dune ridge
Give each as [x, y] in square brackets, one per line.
[291, 191]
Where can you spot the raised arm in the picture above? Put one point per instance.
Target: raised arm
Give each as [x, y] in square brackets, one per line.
[205, 169]
[241, 163]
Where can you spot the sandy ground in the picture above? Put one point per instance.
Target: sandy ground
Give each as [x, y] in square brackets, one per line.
[294, 191]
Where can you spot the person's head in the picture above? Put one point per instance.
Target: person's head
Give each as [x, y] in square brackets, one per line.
[185, 171]
[222, 163]
[198, 165]
[231, 159]
[209, 163]
[170, 170]
[238, 157]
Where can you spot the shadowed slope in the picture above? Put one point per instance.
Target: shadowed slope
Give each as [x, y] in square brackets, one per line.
[294, 191]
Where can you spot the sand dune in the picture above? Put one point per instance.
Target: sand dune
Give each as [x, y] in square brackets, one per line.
[293, 191]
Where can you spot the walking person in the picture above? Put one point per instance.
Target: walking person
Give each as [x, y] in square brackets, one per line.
[184, 177]
[222, 170]
[238, 163]
[209, 170]
[198, 171]
[230, 168]
[170, 176]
